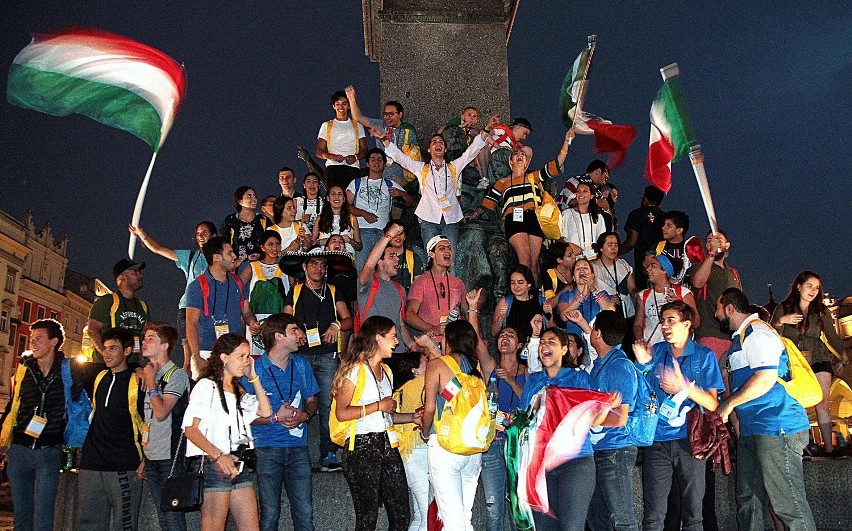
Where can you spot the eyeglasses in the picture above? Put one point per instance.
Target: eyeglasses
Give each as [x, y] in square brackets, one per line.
[389, 113]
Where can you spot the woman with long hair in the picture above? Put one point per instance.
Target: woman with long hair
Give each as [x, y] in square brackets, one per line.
[582, 224]
[217, 425]
[803, 318]
[614, 274]
[243, 228]
[309, 206]
[571, 484]
[454, 477]
[294, 236]
[336, 219]
[558, 279]
[585, 297]
[517, 195]
[660, 270]
[516, 310]
[373, 468]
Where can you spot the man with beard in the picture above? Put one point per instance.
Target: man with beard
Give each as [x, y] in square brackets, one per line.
[120, 309]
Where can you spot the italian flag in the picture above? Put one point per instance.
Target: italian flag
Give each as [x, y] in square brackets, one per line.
[112, 79]
[671, 134]
[609, 137]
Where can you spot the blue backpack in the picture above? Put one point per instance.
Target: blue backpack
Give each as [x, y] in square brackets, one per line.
[77, 411]
[642, 421]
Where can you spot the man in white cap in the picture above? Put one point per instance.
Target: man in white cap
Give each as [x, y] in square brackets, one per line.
[436, 297]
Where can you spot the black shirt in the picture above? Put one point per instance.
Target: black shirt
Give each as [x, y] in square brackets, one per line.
[314, 313]
[111, 444]
[34, 385]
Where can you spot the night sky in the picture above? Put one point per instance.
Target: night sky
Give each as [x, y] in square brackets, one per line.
[766, 84]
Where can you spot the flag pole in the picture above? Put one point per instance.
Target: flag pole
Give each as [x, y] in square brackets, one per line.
[696, 157]
[137, 210]
[579, 107]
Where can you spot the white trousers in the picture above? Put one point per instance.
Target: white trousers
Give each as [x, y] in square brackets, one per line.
[454, 479]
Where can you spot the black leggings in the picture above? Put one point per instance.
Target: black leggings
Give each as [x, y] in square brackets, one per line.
[376, 476]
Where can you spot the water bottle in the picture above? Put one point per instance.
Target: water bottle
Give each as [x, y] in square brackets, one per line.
[68, 458]
[454, 315]
[492, 393]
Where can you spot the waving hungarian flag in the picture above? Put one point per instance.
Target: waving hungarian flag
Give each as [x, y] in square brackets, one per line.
[112, 79]
[549, 434]
[671, 134]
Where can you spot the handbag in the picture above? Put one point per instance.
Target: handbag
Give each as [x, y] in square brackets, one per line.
[183, 492]
[708, 438]
[547, 212]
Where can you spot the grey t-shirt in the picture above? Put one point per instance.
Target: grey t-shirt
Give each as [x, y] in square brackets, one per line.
[387, 303]
[159, 444]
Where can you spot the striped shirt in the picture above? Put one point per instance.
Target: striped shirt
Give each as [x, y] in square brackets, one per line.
[515, 192]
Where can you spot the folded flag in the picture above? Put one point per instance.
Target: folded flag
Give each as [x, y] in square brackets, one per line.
[540, 439]
[671, 133]
[117, 81]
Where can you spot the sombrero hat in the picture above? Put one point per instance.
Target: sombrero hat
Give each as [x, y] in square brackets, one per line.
[291, 263]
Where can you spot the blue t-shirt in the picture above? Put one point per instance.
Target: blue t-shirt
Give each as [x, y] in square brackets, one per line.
[589, 308]
[283, 386]
[615, 373]
[774, 412]
[192, 263]
[224, 303]
[574, 378]
[698, 364]
[507, 401]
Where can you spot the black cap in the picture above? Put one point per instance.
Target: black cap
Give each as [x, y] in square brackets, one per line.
[124, 264]
[523, 122]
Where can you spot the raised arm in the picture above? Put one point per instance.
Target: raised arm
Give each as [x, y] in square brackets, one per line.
[152, 244]
[354, 109]
[486, 361]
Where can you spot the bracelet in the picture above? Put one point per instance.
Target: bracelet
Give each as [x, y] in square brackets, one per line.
[337, 324]
[252, 380]
[275, 418]
[154, 392]
[422, 438]
[472, 311]
[363, 411]
[217, 457]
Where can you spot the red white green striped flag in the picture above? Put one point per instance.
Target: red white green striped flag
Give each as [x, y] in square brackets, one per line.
[112, 79]
[671, 133]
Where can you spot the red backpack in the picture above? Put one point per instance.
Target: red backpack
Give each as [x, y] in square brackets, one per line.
[374, 288]
[205, 291]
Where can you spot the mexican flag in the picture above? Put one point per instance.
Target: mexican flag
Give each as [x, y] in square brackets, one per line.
[609, 137]
[551, 432]
[671, 133]
[117, 81]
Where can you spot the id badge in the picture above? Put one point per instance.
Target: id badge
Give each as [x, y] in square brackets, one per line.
[137, 344]
[501, 420]
[221, 328]
[668, 409]
[590, 254]
[444, 202]
[36, 426]
[146, 432]
[443, 319]
[517, 214]
[392, 436]
[314, 339]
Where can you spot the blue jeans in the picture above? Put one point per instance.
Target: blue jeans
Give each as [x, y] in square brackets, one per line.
[34, 477]
[369, 239]
[451, 231]
[569, 493]
[156, 472]
[324, 367]
[612, 502]
[769, 470]
[493, 477]
[662, 461]
[290, 468]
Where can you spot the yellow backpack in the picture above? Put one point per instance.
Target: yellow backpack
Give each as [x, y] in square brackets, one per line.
[547, 211]
[340, 430]
[464, 426]
[802, 383]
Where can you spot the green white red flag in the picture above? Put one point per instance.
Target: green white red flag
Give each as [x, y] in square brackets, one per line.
[112, 79]
[671, 133]
[609, 137]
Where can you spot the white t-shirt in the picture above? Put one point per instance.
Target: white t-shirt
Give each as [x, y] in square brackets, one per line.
[374, 390]
[342, 140]
[653, 332]
[225, 430]
[311, 207]
[610, 277]
[373, 196]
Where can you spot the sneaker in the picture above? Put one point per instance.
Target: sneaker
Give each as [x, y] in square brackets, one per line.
[331, 464]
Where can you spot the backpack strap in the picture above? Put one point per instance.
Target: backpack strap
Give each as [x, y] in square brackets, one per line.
[66, 382]
[356, 397]
[115, 303]
[297, 290]
[239, 282]
[12, 417]
[204, 284]
[332, 289]
[328, 125]
[451, 363]
[98, 379]
[409, 261]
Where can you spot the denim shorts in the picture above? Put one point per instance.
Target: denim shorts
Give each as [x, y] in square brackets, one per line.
[214, 481]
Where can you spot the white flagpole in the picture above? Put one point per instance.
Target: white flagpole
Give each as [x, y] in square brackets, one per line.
[137, 210]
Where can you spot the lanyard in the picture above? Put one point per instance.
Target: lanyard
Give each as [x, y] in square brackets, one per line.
[290, 390]
[227, 295]
[379, 389]
[614, 274]
[435, 285]
[446, 178]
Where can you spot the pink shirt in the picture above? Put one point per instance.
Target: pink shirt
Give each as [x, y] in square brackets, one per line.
[436, 298]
